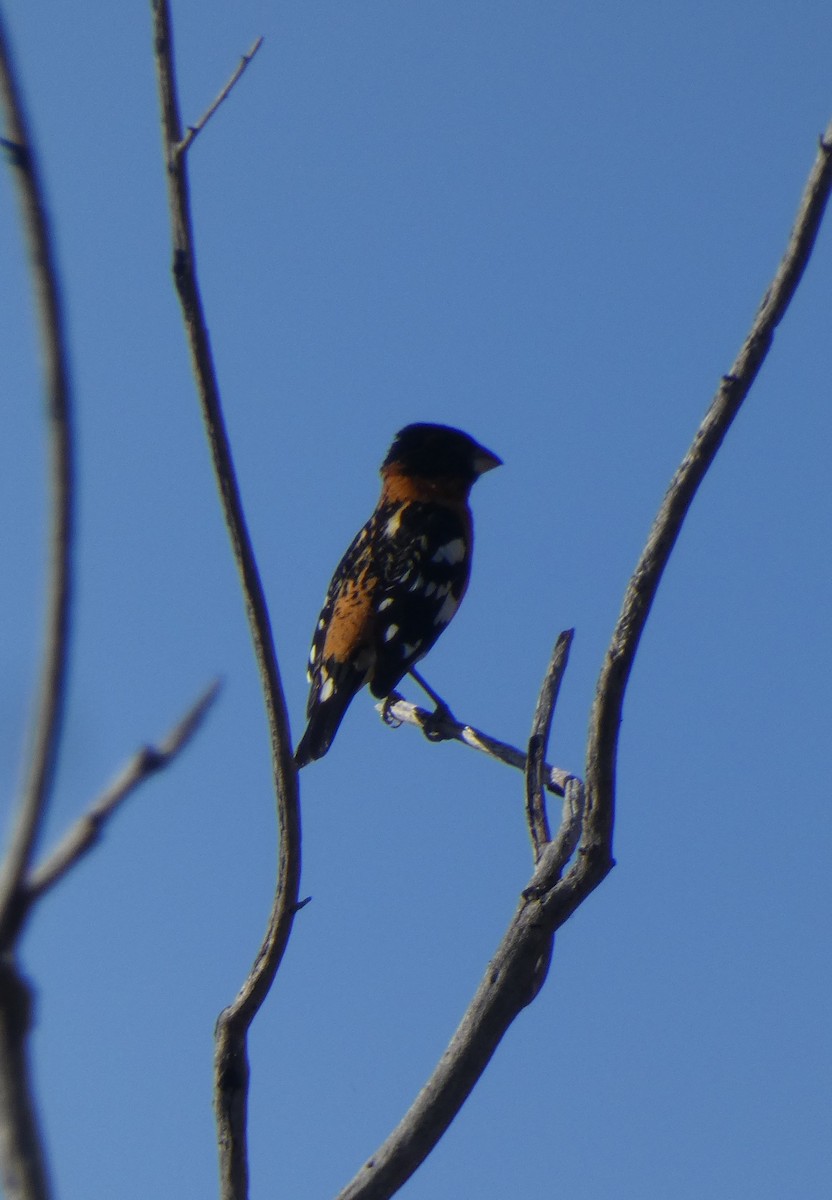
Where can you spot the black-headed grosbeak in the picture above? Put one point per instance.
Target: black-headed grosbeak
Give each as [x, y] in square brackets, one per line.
[401, 580]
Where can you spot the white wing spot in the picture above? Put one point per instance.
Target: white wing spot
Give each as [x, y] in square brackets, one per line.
[407, 650]
[417, 584]
[321, 624]
[385, 604]
[442, 590]
[452, 552]
[446, 611]
[327, 689]
[390, 632]
[392, 526]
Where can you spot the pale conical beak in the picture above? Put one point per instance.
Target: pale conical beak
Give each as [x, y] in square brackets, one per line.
[484, 461]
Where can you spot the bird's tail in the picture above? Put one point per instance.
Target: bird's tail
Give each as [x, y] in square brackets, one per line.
[322, 727]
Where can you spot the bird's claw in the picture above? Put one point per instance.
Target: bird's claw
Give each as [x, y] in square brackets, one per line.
[386, 715]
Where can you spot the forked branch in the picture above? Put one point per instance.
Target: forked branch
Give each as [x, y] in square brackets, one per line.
[519, 966]
[22, 1160]
[231, 1054]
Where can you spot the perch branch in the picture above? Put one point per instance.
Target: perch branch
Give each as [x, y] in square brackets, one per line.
[231, 1053]
[539, 740]
[403, 711]
[53, 676]
[518, 969]
[193, 130]
[89, 829]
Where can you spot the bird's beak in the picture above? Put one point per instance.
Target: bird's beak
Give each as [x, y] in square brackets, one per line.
[486, 461]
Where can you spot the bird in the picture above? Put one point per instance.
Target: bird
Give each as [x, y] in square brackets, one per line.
[401, 579]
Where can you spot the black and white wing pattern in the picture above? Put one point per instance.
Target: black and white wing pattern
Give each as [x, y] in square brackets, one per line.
[422, 557]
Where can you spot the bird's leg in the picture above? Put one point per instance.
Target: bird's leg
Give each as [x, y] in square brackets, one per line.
[431, 727]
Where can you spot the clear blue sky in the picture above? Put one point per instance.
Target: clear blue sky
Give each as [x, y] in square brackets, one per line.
[549, 224]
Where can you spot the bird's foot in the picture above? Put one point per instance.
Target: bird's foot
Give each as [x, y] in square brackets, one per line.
[386, 715]
[434, 725]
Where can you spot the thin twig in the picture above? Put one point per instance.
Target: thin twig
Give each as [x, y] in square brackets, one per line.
[88, 830]
[641, 591]
[539, 740]
[403, 712]
[517, 970]
[231, 1055]
[193, 130]
[53, 677]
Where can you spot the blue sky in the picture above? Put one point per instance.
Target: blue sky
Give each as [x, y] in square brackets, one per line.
[549, 224]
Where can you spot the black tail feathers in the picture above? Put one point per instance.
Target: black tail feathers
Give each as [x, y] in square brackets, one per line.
[322, 728]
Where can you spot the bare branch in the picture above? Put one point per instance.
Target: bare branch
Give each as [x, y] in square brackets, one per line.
[539, 740]
[512, 980]
[519, 967]
[52, 687]
[22, 1161]
[402, 711]
[231, 1066]
[193, 130]
[641, 590]
[557, 853]
[89, 829]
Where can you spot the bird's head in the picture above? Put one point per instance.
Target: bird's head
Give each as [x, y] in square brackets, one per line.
[434, 452]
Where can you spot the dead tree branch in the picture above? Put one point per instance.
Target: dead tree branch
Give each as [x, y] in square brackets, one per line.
[519, 966]
[193, 130]
[24, 1172]
[511, 981]
[48, 720]
[21, 1147]
[405, 713]
[23, 1165]
[89, 829]
[231, 1053]
[541, 728]
[641, 590]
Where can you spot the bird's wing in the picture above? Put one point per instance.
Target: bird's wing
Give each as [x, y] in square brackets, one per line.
[422, 555]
